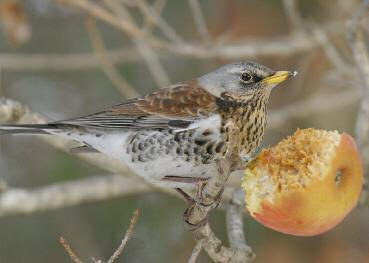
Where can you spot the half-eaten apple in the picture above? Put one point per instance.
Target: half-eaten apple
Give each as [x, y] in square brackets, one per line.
[306, 184]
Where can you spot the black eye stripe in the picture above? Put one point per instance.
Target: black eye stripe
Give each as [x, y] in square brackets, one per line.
[257, 78]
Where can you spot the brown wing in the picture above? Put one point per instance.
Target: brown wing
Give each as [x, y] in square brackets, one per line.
[177, 106]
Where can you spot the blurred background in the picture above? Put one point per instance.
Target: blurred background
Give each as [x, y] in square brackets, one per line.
[61, 63]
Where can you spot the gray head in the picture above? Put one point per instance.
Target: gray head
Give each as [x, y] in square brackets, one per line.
[242, 78]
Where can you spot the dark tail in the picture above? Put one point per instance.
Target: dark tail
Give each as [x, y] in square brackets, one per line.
[27, 128]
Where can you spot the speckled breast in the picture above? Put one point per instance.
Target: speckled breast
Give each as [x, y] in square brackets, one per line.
[189, 145]
[249, 119]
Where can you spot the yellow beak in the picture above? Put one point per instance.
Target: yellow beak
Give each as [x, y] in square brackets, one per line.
[279, 77]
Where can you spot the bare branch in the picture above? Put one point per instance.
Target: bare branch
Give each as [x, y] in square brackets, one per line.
[116, 253]
[280, 47]
[127, 237]
[234, 221]
[147, 52]
[53, 196]
[200, 23]
[151, 14]
[104, 15]
[158, 6]
[69, 250]
[331, 51]
[67, 62]
[108, 68]
[293, 15]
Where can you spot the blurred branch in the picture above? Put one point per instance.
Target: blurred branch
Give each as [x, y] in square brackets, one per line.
[293, 15]
[101, 13]
[116, 253]
[279, 47]
[146, 51]
[199, 20]
[158, 6]
[360, 53]
[151, 48]
[155, 18]
[21, 201]
[68, 62]
[108, 68]
[314, 105]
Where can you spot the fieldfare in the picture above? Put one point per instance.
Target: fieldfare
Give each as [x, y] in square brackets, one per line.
[174, 136]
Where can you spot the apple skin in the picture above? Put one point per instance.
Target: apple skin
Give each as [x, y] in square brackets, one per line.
[322, 204]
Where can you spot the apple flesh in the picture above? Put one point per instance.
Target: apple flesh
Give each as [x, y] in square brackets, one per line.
[306, 184]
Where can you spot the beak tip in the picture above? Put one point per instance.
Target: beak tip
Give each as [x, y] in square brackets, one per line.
[293, 73]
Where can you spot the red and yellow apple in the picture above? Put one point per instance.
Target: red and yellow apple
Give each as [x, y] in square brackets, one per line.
[306, 184]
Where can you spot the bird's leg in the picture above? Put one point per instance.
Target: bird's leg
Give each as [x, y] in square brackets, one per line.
[189, 200]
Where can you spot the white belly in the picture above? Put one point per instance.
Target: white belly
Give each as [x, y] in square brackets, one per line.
[115, 145]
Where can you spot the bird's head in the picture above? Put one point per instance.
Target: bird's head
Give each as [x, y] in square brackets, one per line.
[243, 79]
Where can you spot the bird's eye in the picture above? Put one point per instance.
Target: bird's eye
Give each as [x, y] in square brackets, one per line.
[245, 77]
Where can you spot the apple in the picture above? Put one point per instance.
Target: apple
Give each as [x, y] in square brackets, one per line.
[306, 184]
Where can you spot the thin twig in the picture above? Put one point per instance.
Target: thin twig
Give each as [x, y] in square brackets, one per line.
[158, 6]
[126, 238]
[293, 15]
[150, 13]
[146, 51]
[287, 46]
[99, 12]
[199, 20]
[66, 62]
[69, 250]
[108, 68]
[116, 253]
[331, 51]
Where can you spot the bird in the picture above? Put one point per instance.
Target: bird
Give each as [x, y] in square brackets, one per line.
[174, 136]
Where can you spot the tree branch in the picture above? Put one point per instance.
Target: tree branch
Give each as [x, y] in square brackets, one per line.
[73, 256]
[107, 67]
[95, 188]
[147, 53]
[234, 221]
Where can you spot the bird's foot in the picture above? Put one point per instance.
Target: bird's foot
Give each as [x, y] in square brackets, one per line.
[198, 202]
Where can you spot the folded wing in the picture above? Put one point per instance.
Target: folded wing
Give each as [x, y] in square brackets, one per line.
[177, 106]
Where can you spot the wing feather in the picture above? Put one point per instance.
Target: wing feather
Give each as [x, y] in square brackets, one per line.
[177, 106]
